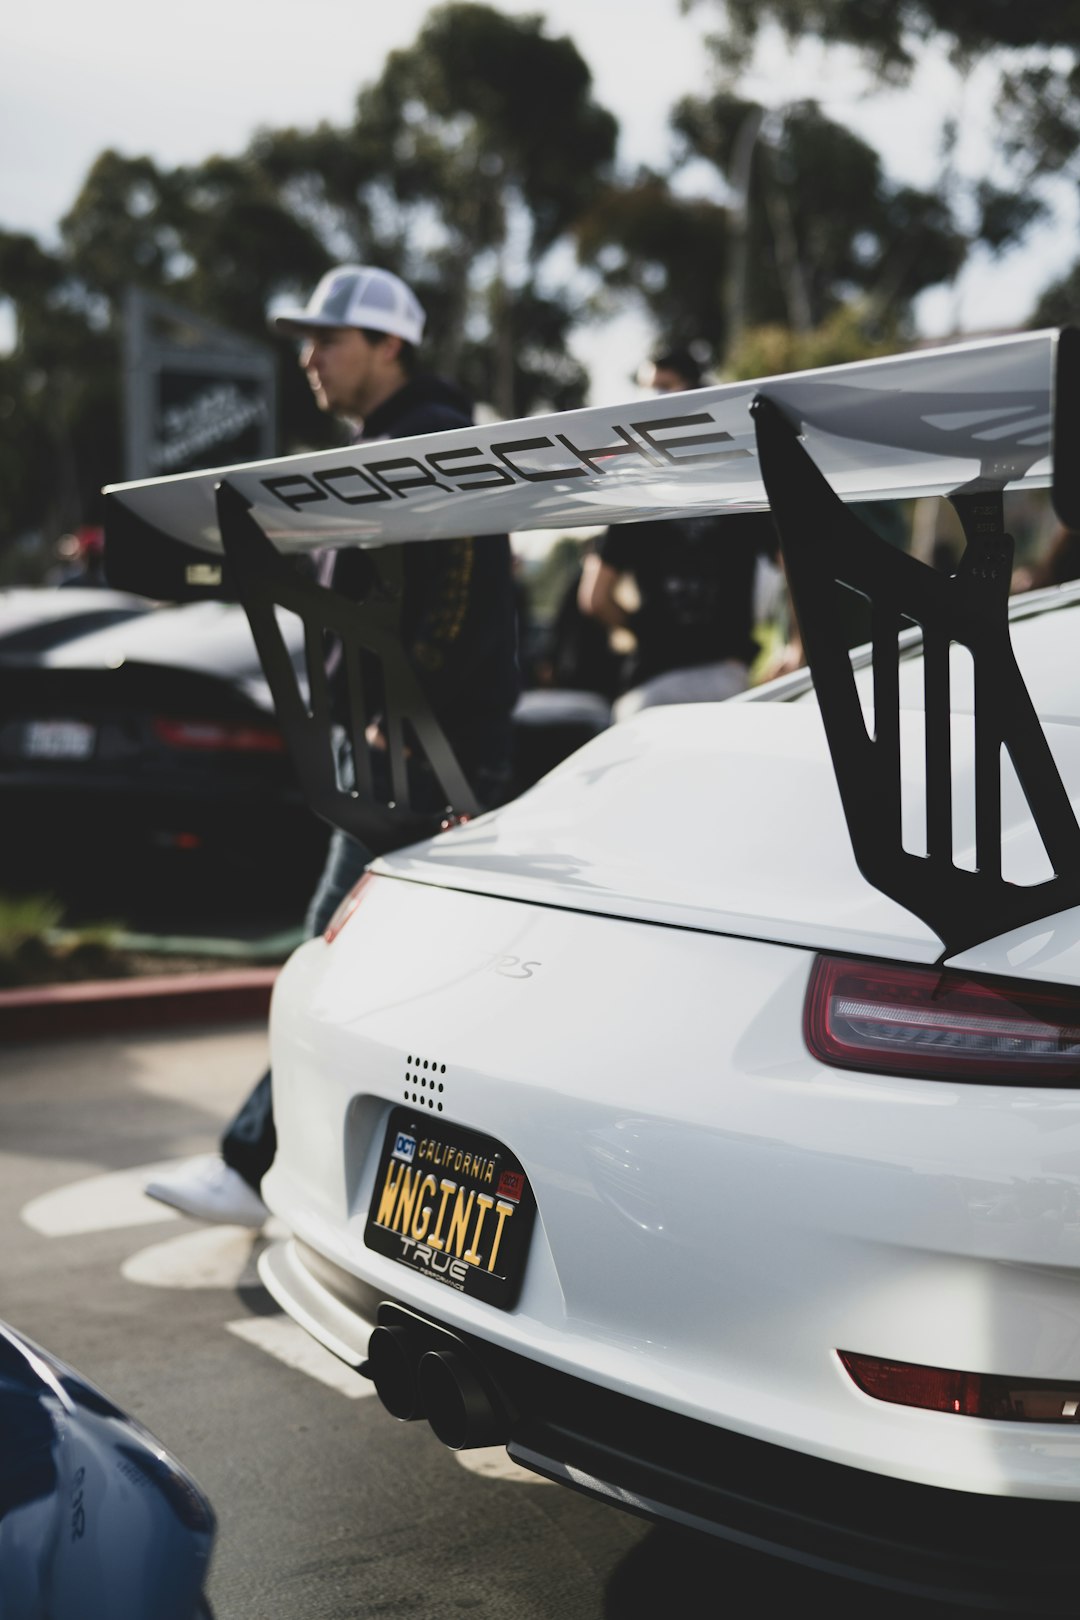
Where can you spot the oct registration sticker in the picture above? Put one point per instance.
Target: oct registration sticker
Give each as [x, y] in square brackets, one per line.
[454, 1205]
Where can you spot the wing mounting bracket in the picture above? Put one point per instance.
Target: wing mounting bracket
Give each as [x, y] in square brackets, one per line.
[379, 811]
[827, 549]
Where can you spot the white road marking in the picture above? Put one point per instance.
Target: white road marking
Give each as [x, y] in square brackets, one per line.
[211, 1257]
[218, 1257]
[280, 1337]
[99, 1204]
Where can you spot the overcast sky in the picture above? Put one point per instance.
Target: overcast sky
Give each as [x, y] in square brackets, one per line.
[184, 81]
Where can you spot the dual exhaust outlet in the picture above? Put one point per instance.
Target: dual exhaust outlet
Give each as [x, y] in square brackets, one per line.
[422, 1371]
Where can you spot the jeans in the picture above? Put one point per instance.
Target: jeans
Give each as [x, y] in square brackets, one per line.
[701, 683]
[250, 1141]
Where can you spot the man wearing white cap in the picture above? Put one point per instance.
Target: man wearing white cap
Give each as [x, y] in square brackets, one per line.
[359, 332]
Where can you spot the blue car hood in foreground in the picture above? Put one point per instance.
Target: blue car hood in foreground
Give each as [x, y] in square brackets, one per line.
[97, 1521]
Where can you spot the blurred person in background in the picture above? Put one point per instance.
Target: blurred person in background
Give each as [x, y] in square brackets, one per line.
[672, 370]
[359, 333]
[1059, 562]
[577, 653]
[693, 582]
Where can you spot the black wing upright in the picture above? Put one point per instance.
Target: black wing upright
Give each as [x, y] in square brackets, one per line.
[377, 812]
[828, 549]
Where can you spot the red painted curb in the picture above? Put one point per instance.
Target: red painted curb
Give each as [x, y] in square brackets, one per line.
[95, 1007]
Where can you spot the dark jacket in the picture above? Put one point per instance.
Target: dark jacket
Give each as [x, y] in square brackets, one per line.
[459, 610]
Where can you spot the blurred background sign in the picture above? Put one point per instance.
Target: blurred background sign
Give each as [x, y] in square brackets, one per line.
[195, 394]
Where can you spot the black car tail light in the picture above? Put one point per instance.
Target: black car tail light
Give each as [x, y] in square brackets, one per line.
[941, 1389]
[219, 736]
[935, 1023]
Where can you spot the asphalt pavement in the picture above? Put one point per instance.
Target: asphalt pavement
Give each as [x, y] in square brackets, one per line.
[328, 1508]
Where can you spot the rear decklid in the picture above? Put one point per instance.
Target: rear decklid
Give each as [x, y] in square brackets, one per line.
[722, 817]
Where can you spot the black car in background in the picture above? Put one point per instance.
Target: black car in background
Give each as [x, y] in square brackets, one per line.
[138, 747]
[33, 618]
[132, 733]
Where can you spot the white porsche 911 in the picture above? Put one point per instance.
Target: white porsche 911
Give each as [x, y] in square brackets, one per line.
[704, 1125]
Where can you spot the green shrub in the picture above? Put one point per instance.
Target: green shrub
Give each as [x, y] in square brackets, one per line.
[34, 949]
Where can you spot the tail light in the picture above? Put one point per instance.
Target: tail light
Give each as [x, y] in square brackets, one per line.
[940, 1389]
[347, 907]
[219, 736]
[941, 1024]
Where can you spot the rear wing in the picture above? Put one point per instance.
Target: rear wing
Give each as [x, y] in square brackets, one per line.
[913, 424]
[968, 421]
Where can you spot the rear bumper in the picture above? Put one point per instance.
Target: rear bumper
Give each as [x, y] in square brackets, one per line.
[1000, 1554]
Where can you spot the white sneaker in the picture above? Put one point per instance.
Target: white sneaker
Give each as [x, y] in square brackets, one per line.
[211, 1190]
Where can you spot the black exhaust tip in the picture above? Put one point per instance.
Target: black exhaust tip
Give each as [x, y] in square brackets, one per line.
[392, 1361]
[463, 1408]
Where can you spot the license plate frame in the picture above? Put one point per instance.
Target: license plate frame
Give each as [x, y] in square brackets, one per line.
[59, 739]
[480, 1207]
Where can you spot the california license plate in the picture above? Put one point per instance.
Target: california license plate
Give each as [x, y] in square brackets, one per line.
[58, 739]
[452, 1205]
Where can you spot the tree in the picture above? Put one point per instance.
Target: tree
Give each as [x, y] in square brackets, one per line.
[56, 390]
[464, 168]
[217, 238]
[1059, 304]
[811, 224]
[469, 159]
[672, 251]
[1032, 53]
[891, 35]
[845, 335]
[822, 223]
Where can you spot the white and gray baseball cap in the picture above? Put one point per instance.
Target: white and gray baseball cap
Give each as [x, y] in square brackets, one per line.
[358, 295]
